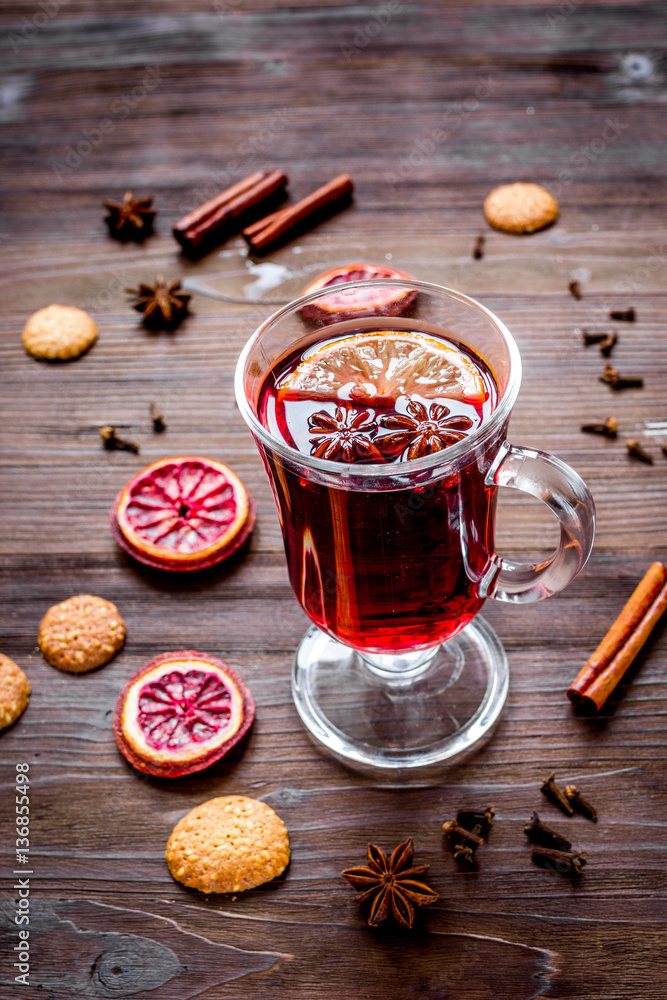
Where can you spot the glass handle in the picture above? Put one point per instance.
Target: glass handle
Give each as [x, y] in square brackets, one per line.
[566, 494]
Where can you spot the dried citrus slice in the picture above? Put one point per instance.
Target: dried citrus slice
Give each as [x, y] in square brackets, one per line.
[376, 368]
[180, 713]
[362, 301]
[183, 513]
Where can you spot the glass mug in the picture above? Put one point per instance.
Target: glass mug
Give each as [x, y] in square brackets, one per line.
[393, 562]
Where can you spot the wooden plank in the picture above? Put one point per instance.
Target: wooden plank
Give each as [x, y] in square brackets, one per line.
[241, 86]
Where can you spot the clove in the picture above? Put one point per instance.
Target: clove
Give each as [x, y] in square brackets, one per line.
[635, 450]
[590, 337]
[564, 862]
[158, 420]
[580, 804]
[663, 449]
[545, 835]
[476, 820]
[465, 853]
[478, 249]
[626, 315]
[616, 381]
[452, 829]
[609, 428]
[575, 289]
[556, 794]
[608, 344]
[112, 442]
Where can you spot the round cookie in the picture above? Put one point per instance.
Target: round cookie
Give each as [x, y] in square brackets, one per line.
[14, 691]
[81, 633]
[520, 208]
[59, 333]
[228, 844]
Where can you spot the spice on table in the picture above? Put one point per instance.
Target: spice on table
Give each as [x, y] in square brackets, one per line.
[635, 450]
[575, 289]
[391, 885]
[130, 219]
[603, 670]
[611, 377]
[468, 832]
[465, 853]
[580, 804]
[592, 336]
[556, 794]
[164, 305]
[157, 419]
[625, 315]
[112, 442]
[608, 344]
[478, 249]
[456, 832]
[609, 428]
[225, 214]
[564, 862]
[478, 820]
[663, 449]
[267, 231]
[546, 836]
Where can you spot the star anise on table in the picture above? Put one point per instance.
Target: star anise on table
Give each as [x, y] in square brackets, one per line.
[421, 432]
[163, 305]
[131, 219]
[343, 437]
[390, 885]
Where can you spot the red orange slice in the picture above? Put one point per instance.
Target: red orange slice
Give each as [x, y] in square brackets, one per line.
[348, 304]
[180, 713]
[376, 368]
[183, 513]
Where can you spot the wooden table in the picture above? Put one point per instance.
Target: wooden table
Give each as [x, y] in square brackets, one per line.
[571, 96]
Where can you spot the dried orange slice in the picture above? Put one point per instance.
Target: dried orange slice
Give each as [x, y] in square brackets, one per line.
[376, 368]
[183, 513]
[180, 713]
[362, 301]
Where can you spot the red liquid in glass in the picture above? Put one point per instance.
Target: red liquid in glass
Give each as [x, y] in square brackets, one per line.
[392, 569]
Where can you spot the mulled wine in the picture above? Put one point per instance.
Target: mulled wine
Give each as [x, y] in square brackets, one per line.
[397, 566]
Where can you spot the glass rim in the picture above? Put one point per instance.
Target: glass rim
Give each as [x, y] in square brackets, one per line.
[387, 469]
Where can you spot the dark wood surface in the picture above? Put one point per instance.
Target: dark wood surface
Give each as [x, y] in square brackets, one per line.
[314, 91]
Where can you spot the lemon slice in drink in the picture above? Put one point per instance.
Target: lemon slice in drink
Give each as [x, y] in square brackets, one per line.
[376, 368]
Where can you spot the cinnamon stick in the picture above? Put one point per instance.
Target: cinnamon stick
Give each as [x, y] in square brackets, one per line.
[266, 231]
[604, 669]
[212, 221]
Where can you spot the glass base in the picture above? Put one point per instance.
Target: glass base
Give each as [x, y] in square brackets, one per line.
[432, 708]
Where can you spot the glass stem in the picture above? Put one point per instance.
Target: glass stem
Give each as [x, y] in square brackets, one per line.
[399, 666]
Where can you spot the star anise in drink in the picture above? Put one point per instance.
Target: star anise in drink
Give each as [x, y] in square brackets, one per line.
[343, 437]
[163, 305]
[420, 432]
[391, 885]
[131, 219]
